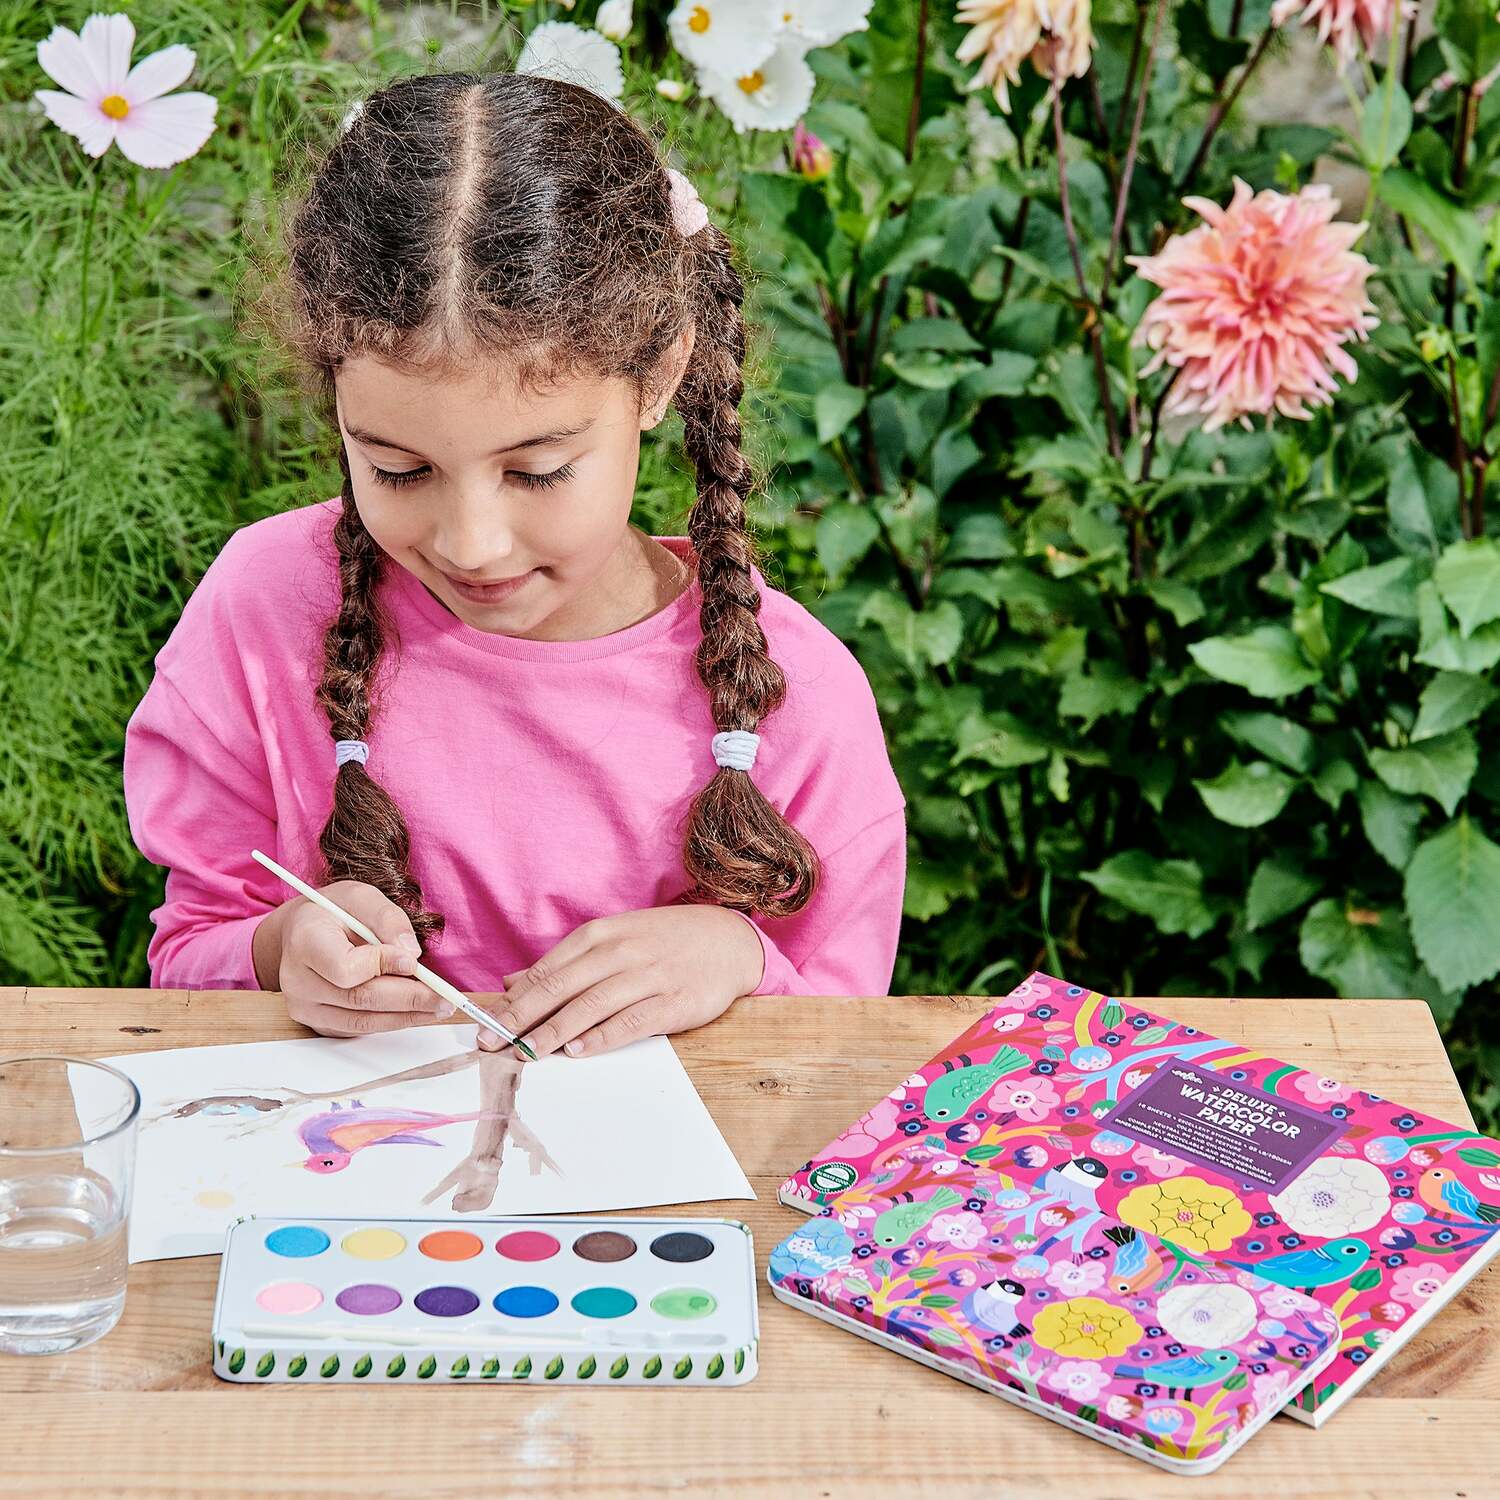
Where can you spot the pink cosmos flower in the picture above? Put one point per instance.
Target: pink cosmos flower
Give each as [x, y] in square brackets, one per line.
[1322, 1090]
[1415, 1284]
[963, 1229]
[1342, 24]
[1256, 305]
[1075, 1278]
[1157, 1163]
[1030, 1098]
[108, 101]
[1082, 1379]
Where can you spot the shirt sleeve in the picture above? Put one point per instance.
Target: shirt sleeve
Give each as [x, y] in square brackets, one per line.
[198, 808]
[844, 941]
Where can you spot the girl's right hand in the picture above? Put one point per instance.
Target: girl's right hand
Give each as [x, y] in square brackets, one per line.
[336, 983]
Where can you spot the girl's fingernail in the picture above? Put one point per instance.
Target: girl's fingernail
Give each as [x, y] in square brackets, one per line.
[488, 1040]
[573, 1048]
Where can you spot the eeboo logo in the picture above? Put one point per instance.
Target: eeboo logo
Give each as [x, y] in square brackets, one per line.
[832, 1177]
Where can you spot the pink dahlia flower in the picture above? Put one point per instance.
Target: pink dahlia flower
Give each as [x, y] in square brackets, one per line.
[1256, 305]
[1342, 24]
[1056, 35]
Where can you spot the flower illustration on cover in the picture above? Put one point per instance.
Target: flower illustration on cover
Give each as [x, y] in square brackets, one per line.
[962, 1229]
[1415, 1284]
[1082, 1380]
[1075, 1277]
[1335, 1196]
[1030, 1098]
[1207, 1315]
[822, 1245]
[1085, 1327]
[1190, 1212]
[1322, 1090]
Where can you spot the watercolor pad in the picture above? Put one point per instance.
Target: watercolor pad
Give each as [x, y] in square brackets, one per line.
[1036, 1298]
[607, 1301]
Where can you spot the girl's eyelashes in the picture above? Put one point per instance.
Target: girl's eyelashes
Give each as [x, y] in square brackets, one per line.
[398, 477]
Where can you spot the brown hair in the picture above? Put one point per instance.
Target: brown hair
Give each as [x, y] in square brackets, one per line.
[461, 218]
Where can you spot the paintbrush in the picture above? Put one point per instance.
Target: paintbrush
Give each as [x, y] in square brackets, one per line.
[433, 981]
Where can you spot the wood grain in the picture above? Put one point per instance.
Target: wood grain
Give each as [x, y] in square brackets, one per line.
[140, 1414]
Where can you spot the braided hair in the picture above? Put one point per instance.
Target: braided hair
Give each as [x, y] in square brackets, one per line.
[462, 217]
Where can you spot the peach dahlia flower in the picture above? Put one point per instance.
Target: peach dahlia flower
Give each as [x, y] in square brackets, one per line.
[1342, 24]
[1256, 305]
[1055, 34]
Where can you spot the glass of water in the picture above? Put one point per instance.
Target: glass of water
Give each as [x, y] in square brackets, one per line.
[67, 1156]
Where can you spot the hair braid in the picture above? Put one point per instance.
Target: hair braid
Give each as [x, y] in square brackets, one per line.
[739, 851]
[365, 837]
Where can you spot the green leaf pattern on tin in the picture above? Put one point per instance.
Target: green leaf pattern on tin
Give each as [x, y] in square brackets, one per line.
[397, 1368]
[652, 1368]
[522, 1370]
[490, 1369]
[739, 1361]
[296, 1367]
[460, 1367]
[236, 1361]
[362, 1366]
[554, 1367]
[587, 1367]
[330, 1367]
[427, 1369]
[715, 1367]
[266, 1365]
[684, 1368]
[619, 1369]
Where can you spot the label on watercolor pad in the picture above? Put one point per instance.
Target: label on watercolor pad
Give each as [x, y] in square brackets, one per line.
[832, 1177]
[1255, 1137]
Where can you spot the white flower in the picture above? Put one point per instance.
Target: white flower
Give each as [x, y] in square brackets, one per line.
[1207, 1316]
[108, 101]
[1336, 1195]
[614, 19]
[820, 23]
[725, 36]
[572, 54]
[774, 95]
[671, 88]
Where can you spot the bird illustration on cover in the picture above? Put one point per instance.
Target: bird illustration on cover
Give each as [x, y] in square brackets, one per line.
[1187, 1372]
[1320, 1266]
[906, 1219]
[950, 1096]
[1442, 1192]
[333, 1137]
[1138, 1264]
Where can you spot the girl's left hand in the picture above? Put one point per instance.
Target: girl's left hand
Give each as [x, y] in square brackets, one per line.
[642, 973]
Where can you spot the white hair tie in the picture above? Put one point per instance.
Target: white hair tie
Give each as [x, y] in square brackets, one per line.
[349, 750]
[688, 212]
[735, 749]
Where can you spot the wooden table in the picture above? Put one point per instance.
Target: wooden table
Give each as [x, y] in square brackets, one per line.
[140, 1414]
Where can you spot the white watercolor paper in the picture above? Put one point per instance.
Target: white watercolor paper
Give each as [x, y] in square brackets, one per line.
[325, 1127]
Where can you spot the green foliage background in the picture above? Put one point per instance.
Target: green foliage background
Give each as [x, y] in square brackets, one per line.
[1175, 712]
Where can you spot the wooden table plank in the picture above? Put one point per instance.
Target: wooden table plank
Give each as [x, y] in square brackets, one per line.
[141, 1415]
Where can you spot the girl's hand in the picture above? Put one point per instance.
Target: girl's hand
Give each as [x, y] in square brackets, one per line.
[333, 981]
[642, 973]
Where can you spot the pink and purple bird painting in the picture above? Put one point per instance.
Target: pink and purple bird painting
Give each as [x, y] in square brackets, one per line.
[333, 1137]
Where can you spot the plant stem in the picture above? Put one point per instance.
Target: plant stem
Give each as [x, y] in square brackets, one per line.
[1220, 111]
[1460, 456]
[1135, 57]
[1130, 151]
[914, 115]
[1091, 310]
[1148, 453]
[1236, 16]
[88, 247]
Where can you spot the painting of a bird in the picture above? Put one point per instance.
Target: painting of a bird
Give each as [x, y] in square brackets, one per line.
[905, 1219]
[1440, 1189]
[1187, 1372]
[1321, 1266]
[995, 1306]
[1077, 1179]
[1138, 1264]
[333, 1137]
[949, 1097]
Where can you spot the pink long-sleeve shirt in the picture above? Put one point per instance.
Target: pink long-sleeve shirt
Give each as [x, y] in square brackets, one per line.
[545, 783]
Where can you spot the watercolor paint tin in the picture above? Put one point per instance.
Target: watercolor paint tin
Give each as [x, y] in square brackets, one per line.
[1036, 1297]
[604, 1301]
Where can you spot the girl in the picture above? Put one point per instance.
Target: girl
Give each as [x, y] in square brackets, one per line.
[538, 729]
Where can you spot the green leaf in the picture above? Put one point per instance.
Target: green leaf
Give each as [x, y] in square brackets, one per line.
[362, 1367]
[265, 1365]
[1451, 700]
[1091, 696]
[999, 740]
[1441, 646]
[1202, 45]
[459, 1368]
[934, 333]
[1361, 952]
[1283, 741]
[1335, 781]
[1386, 125]
[620, 1368]
[1479, 1156]
[1184, 604]
[1452, 901]
[554, 1367]
[980, 538]
[1267, 662]
[427, 1369]
[1389, 588]
[523, 1368]
[1277, 888]
[1456, 234]
[489, 1370]
[1169, 891]
[1246, 795]
[739, 1361]
[930, 371]
[1366, 1279]
[835, 407]
[652, 1368]
[1469, 37]
[330, 1367]
[1237, 1382]
[982, 1153]
[587, 1366]
[1468, 578]
[683, 1368]
[1007, 374]
[937, 1300]
[1390, 822]
[1440, 768]
[397, 1368]
[920, 638]
[236, 1361]
[844, 533]
[296, 1367]
[943, 1336]
[715, 1367]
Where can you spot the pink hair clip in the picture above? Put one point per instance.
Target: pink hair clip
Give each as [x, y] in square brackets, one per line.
[688, 212]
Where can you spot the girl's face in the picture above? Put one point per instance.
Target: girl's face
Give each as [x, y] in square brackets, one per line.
[513, 509]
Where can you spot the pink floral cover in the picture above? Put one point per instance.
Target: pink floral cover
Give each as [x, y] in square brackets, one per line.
[1015, 1286]
[1385, 1209]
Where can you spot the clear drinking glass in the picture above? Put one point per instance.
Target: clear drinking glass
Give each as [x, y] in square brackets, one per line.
[67, 1156]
